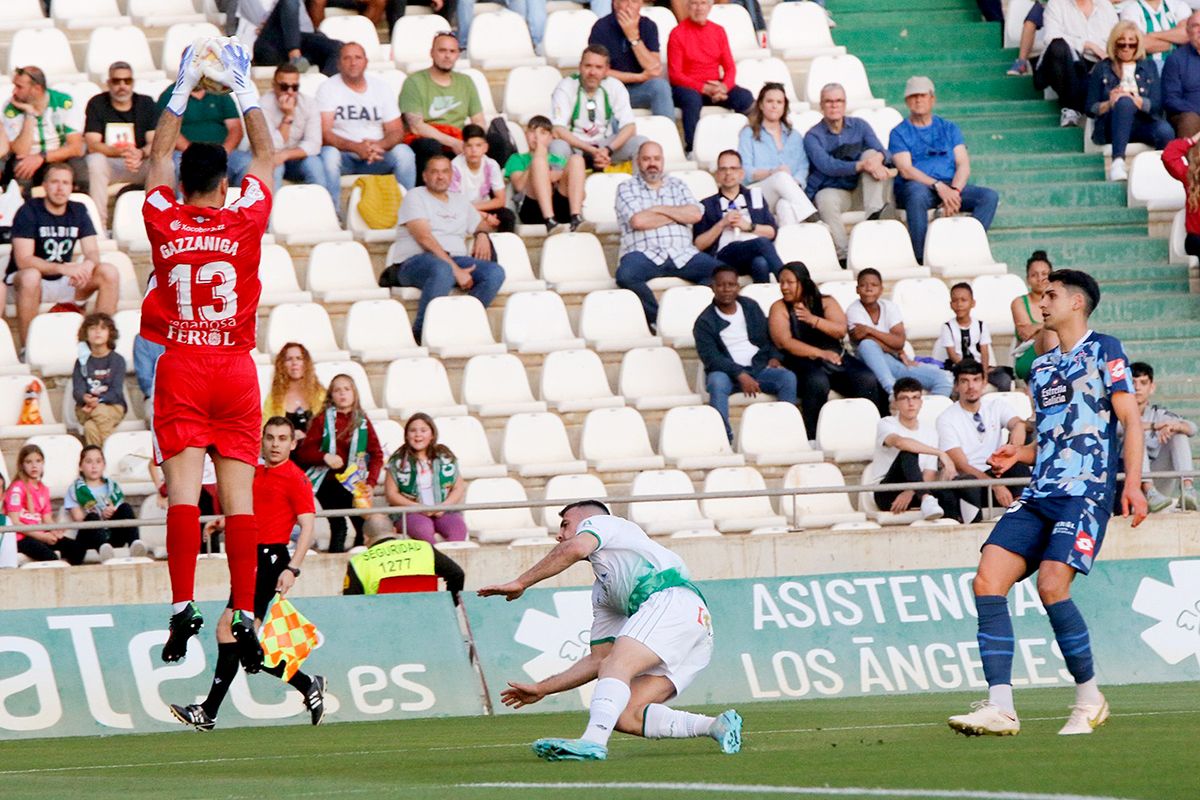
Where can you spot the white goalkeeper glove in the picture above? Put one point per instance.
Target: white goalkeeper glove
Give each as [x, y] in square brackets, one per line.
[185, 81]
[234, 72]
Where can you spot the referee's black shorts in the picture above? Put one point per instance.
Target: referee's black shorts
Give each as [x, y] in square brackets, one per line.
[272, 560]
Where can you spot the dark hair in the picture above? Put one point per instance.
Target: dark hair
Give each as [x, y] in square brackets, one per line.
[99, 318]
[24, 453]
[598, 50]
[539, 121]
[596, 504]
[1035, 257]
[435, 449]
[279, 422]
[88, 448]
[287, 68]
[868, 271]
[906, 384]
[724, 268]
[201, 167]
[810, 295]
[473, 132]
[963, 285]
[730, 152]
[1079, 281]
[435, 157]
[1141, 369]
[34, 74]
[968, 366]
[754, 118]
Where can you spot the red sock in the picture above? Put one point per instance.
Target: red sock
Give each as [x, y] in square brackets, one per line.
[241, 544]
[183, 548]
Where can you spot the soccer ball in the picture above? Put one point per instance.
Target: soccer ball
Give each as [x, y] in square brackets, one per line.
[204, 54]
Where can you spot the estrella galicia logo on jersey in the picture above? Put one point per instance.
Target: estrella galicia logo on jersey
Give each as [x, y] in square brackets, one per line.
[1055, 395]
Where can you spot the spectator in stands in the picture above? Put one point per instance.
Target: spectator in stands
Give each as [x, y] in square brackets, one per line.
[43, 127]
[906, 451]
[808, 328]
[341, 437]
[210, 118]
[532, 11]
[1166, 447]
[1125, 97]
[27, 502]
[843, 155]
[877, 330]
[282, 32]
[931, 157]
[373, 10]
[701, 68]
[737, 228]
[437, 102]
[1032, 338]
[430, 249]
[1034, 21]
[633, 49]
[91, 498]
[592, 116]
[656, 213]
[1163, 23]
[361, 125]
[45, 232]
[296, 393]
[549, 186]
[424, 472]
[773, 156]
[98, 380]
[735, 348]
[118, 128]
[480, 180]
[395, 9]
[295, 130]
[1181, 157]
[389, 557]
[1181, 82]
[1075, 32]
[965, 337]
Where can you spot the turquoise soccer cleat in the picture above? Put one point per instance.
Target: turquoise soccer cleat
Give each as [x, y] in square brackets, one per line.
[572, 749]
[727, 730]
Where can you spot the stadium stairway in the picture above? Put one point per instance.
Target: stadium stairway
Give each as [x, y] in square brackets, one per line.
[1054, 197]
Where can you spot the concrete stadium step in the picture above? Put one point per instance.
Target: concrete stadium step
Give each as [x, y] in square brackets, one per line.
[1015, 179]
[975, 58]
[1078, 193]
[852, 7]
[903, 18]
[958, 107]
[1012, 216]
[914, 38]
[989, 123]
[998, 87]
[1036, 161]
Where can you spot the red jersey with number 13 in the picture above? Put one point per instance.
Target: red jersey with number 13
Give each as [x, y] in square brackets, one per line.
[203, 295]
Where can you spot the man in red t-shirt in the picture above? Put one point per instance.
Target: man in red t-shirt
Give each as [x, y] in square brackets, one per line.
[201, 305]
[283, 498]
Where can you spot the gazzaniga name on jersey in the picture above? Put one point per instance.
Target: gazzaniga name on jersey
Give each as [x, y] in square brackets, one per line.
[212, 244]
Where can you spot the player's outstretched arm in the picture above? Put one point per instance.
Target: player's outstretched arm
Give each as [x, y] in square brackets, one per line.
[235, 73]
[1133, 501]
[161, 171]
[518, 695]
[564, 555]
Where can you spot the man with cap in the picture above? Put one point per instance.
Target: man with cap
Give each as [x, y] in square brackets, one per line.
[931, 157]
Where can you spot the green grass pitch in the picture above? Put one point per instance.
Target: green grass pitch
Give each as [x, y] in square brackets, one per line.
[896, 747]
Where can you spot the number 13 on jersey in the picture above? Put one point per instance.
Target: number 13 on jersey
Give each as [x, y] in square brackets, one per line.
[220, 277]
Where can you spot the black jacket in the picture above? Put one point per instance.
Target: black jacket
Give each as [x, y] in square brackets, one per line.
[714, 355]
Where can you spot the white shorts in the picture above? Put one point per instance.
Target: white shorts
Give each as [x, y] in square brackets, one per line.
[676, 625]
[59, 291]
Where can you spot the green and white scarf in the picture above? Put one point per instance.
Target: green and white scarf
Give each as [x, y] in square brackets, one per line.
[87, 500]
[357, 452]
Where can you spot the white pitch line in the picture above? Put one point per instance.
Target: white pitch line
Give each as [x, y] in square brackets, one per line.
[887, 726]
[809, 791]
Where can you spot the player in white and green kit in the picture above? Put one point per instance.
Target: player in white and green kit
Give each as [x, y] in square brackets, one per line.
[651, 635]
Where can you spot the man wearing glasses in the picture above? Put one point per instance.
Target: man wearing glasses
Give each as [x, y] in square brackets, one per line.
[738, 228]
[970, 431]
[44, 127]
[592, 115]
[118, 128]
[295, 126]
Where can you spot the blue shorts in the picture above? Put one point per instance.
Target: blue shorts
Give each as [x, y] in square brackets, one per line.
[1065, 529]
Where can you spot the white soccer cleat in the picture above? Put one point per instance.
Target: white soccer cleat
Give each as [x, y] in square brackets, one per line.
[1085, 718]
[986, 719]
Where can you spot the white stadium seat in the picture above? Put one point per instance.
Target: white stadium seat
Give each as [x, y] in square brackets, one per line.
[537, 322]
[993, 299]
[62, 460]
[341, 272]
[379, 330]
[846, 429]
[714, 133]
[390, 434]
[500, 525]
[497, 386]
[800, 31]
[881, 120]
[1151, 186]
[1018, 402]
[500, 40]
[83, 14]
[306, 323]
[80, 93]
[10, 364]
[22, 14]
[810, 243]
[536, 445]
[574, 262]
[765, 294]
[177, 39]
[278, 277]
[823, 510]
[128, 226]
[653, 378]
[658, 517]
[567, 34]
[700, 183]
[483, 89]
[931, 406]
[456, 326]
[867, 504]
[846, 70]
[664, 131]
[614, 320]
[739, 29]
[885, 245]
[599, 202]
[957, 247]
[304, 214]
[740, 514]
[924, 306]
[326, 371]
[49, 49]
[106, 244]
[844, 292]
[665, 21]
[574, 380]
[568, 488]
[468, 441]
[12, 400]
[127, 43]
[127, 455]
[359, 29]
[358, 227]
[419, 384]
[753, 73]
[527, 92]
[52, 345]
[616, 440]
[518, 272]
[677, 313]
[128, 322]
[412, 39]
[693, 437]
[1178, 236]
[772, 434]
[163, 13]
[1014, 22]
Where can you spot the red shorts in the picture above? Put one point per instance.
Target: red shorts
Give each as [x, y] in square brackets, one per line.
[206, 400]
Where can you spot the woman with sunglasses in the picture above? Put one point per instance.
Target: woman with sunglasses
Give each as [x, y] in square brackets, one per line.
[1125, 98]
[773, 156]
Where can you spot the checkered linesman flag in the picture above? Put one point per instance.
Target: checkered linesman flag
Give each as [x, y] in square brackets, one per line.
[287, 636]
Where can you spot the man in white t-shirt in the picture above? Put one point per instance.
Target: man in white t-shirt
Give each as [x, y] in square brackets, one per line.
[966, 337]
[971, 430]
[651, 636]
[361, 127]
[592, 115]
[906, 451]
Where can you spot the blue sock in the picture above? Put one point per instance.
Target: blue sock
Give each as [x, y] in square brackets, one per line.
[1072, 634]
[995, 638]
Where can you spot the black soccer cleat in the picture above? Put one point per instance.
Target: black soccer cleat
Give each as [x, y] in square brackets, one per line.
[314, 699]
[249, 650]
[184, 625]
[194, 715]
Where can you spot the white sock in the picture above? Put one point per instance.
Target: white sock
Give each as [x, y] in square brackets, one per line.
[177, 607]
[1001, 695]
[662, 722]
[608, 701]
[1088, 692]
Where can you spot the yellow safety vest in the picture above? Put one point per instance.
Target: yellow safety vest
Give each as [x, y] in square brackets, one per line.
[390, 559]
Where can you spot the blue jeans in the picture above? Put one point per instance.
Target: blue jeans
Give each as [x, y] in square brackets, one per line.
[1125, 124]
[888, 369]
[398, 161]
[754, 257]
[916, 199]
[434, 278]
[773, 380]
[304, 170]
[145, 359]
[654, 94]
[532, 11]
[690, 102]
[635, 270]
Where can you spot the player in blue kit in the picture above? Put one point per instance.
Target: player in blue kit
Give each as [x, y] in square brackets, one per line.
[1081, 390]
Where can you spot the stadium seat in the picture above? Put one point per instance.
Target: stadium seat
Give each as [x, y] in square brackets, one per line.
[419, 384]
[10, 364]
[52, 345]
[127, 455]
[22, 14]
[693, 437]
[881, 120]
[677, 313]
[358, 226]
[846, 70]
[665, 21]
[81, 92]
[126, 43]
[753, 73]
[379, 330]
[390, 434]
[846, 429]
[500, 40]
[537, 322]
[844, 292]
[518, 272]
[740, 514]
[772, 434]
[497, 386]
[306, 323]
[810, 243]
[700, 183]
[568, 488]
[599, 202]
[1018, 402]
[501, 524]
[1014, 22]
[613, 320]
[153, 536]
[765, 294]
[1089, 127]
[957, 247]
[1151, 186]
[802, 121]
[456, 326]
[652, 378]
[62, 460]
[665, 517]
[616, 440]
[467, 440]
[326, 371]
[527, 92]
[106, 244]
[993, 297]
[412, 39]
[566, 35]
[739, 29]
[1178, 236]
[932, 405]
[885, 245]
[574, 380]
[574, 262]
[304, 214]
[359, 29]
[163, 13]
[84, 14]
[341, 272]
[278, 277]
[486, 99]
[664, 131]
[866, 504]
[176, 40]
[49, 49]
[714, 133]
[129, 323]
[12, 399]
[800, 32]
[924, 306]
[536, 445]
[823, 510]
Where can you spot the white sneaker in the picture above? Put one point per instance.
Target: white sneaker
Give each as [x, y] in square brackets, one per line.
[930, 509]
[105, 551]
[137, 549]
[986, 719]
[1085, 718]
[1118, 172]
[1069, 118]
